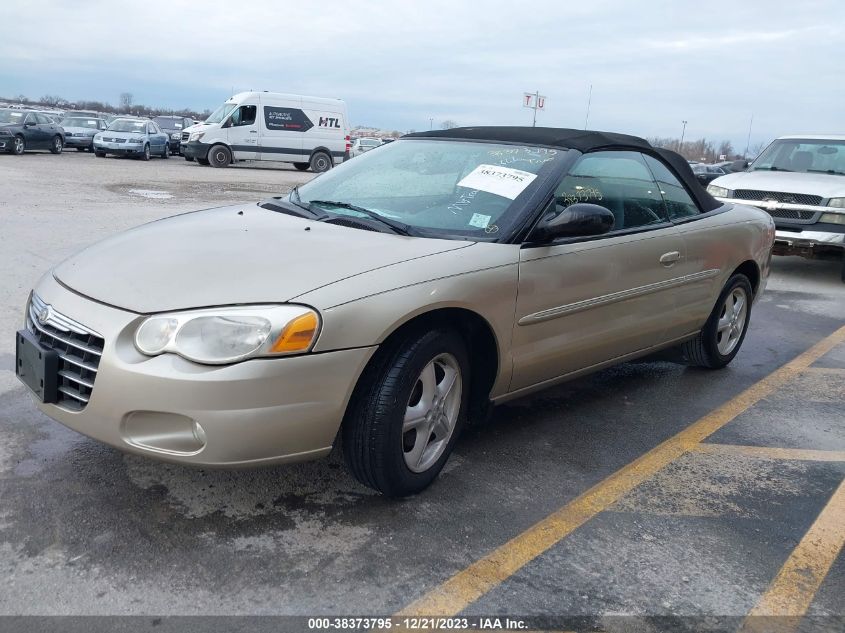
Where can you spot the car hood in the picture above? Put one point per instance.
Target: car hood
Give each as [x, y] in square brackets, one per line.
[824, 185]
[231, 255]
[112, 133]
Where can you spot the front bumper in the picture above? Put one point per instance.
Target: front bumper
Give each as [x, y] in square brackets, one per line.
[79, 141]
[813, 240]
[135, 149]
[255, 412]
[195, 149]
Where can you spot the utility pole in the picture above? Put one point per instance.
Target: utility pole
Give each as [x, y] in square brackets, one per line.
[431, 123]
[536, 101]
[589, 100]
[683, 131]
[748, 140]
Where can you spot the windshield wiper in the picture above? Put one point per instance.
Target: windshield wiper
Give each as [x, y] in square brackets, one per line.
[827, 171]
[278, 203]
[397, 227]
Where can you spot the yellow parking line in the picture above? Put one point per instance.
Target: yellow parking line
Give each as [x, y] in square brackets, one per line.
[770, 452]
[791, 592]
[466, 586]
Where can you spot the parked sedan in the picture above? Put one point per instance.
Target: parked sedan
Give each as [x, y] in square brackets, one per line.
[80, 131]
[173, 126]
[393, 299]
[140, 138]
[705, 174]
[361, 145]
[21, 130]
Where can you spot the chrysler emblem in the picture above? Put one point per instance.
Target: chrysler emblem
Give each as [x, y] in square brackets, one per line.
[44, 315]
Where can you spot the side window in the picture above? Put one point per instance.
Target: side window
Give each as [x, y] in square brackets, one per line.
[679, 204]
[245, 115]
[619, 181]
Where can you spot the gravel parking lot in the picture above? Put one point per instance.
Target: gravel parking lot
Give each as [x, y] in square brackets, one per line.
[649, 489]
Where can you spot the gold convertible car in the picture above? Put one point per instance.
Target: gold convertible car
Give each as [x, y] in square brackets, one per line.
[388, 301]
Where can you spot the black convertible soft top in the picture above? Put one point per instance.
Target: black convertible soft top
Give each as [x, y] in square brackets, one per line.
[583, 141]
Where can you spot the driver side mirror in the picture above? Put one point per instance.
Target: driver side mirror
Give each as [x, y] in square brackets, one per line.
[578, 220]
[29, 124]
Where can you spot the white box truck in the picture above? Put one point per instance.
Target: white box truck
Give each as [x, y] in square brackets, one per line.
[310, 132]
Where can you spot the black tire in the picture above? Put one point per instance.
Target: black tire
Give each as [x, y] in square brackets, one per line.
[302, 166]
[372, 435]
[203, 161]
[18, 145]
[320, 162]
[99, 154]
[219, 156]
[703, 350]
[57, 145]
[190, 159]
[146, 154]
[166, 152]
[80, 149]
[842, 270]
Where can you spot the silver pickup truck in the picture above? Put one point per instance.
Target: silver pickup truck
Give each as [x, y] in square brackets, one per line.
[800, 182]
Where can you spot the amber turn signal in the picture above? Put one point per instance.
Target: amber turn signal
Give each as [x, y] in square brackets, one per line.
[297, 336]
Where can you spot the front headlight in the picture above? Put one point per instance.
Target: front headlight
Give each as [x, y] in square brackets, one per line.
[839, 203]
[719, 192]
[226, 335]
[195, 136]
[833, 218]
[135, 140]
[175, 136]
[98, 137]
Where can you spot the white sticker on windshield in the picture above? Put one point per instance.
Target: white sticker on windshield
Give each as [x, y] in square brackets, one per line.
[502, 181]
[89, 122]
[481, 221]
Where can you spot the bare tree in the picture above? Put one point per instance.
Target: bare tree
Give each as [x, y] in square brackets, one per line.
[756, 149]
[448, 124]
[51, 100]
[726, 149]
[22, 99]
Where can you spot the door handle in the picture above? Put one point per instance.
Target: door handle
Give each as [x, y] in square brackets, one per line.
[253, 131]
[668, 259]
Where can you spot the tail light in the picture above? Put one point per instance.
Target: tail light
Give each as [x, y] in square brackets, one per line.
[348, 143]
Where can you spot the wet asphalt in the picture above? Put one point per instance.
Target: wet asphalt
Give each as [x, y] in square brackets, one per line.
[88, 530]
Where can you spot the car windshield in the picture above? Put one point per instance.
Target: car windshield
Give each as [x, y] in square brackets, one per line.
[11, 116]
[803, 155]
[220, 114]
[127, 125]
[168, 123]
[89, 123]
[438, 188]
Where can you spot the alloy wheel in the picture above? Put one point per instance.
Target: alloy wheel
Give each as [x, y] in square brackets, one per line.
[431, 413]
[731, 321]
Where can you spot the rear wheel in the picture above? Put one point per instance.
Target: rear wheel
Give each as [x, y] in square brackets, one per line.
[407, 413]
[302, 166]
[722, 336]
[190, 159]
[57, 145]
[320, 162]
[219, 156]
[18, 145]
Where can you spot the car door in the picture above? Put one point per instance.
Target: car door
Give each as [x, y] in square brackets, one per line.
[585, 301]
[242, 132]
[48, 129]
[705, 238]
[155, 137]
[32, 132]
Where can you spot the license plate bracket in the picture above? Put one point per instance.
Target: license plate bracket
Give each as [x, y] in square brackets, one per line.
[37, 366]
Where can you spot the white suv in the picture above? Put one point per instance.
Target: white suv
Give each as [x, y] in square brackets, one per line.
[800, 182]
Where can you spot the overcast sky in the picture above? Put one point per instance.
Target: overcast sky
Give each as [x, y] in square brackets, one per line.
[652, 64]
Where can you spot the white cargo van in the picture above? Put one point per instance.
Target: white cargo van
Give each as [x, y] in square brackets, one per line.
[310, 132]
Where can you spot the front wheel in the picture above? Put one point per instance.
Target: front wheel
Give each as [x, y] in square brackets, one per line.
[146, 154]
[18, 145]
[407, 413]
[219, 156]
[57, 145]
[719, 341]
[320, 162]
[166, 152]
